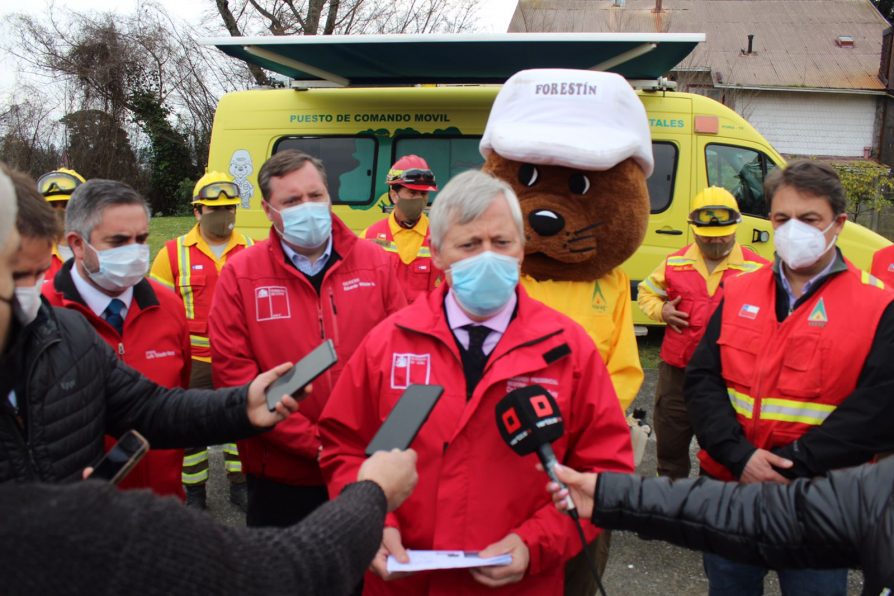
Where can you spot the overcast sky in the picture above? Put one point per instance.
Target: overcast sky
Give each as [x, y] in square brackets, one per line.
[494, 16]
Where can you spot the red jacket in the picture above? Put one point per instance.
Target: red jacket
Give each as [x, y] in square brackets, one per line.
[265, 312]
[473, 489]
[785, 378]
[683, 279]
[155, 341]
[417, 277]
[883, 265]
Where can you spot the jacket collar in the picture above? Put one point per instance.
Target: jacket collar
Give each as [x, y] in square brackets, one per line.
[526, 328]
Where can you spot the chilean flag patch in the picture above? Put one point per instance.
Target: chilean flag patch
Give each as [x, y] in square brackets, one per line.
[749, 311]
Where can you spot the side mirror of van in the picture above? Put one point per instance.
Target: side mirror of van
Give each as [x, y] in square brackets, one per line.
[760, 236]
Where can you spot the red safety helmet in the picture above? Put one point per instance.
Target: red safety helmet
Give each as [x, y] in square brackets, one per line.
[412, 172]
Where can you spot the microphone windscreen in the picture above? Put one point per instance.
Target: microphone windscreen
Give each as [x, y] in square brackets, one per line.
[529, 417]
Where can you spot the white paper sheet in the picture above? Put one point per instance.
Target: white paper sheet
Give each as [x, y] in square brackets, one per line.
[424, 560]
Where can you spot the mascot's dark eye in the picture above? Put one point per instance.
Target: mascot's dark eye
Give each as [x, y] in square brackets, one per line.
[579, 184]
[528, 174]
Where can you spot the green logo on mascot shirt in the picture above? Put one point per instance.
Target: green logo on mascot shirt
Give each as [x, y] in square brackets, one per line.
[599, 303]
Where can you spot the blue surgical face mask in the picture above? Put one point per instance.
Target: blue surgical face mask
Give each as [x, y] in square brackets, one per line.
[307, 225]
[483, 284]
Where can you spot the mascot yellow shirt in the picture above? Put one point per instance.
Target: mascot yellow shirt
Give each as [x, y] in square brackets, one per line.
[603, 308]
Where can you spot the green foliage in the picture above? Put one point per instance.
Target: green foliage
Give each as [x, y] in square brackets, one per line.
[170, 158]
[162, 229]
[868, 186]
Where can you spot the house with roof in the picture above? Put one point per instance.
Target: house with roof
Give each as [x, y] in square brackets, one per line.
[805, 73]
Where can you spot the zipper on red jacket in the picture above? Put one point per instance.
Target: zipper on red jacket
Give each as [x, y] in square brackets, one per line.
[320, 318]
[121, 348]
[335, 336]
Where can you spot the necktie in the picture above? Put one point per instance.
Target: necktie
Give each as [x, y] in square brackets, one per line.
[112, 315]
[474, 357]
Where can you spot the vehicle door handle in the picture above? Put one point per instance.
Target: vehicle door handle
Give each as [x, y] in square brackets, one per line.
[760, 235]
[669, 232]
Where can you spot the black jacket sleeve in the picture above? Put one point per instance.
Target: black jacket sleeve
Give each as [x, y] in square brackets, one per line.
[90, 538]
[710, 412]
[819, 523]
[862, 425]
[169, 418]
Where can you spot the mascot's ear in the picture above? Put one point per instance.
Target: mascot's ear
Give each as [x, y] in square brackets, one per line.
[528, 175]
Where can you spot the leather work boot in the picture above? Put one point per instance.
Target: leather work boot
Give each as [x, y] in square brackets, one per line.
[239, 496]
[195, 496]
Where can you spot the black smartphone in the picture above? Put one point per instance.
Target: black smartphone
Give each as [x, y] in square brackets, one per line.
[121, 458]
[311, 366]
[406, 418]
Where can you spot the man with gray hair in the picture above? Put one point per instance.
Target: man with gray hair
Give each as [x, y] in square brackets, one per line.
[479, 336]
[107, 225]
[9, 245]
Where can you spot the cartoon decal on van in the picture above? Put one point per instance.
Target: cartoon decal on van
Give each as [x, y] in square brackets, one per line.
[240, 169]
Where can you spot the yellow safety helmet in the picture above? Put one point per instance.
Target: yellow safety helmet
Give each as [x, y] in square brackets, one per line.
[59, 184]
[216, 189]
[714, 213]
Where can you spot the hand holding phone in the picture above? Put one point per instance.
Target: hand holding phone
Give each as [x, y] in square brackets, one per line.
[406, 418]
[296, 378]
[121, 458]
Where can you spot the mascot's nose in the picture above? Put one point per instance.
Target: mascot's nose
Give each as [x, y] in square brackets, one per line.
[546, 223]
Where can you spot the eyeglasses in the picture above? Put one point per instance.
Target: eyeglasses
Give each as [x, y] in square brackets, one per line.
[714, 216]
[212, 192]
[57, 183]
[414, 176]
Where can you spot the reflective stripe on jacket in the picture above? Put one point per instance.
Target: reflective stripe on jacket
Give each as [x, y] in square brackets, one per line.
[683, 279]
[785, 378]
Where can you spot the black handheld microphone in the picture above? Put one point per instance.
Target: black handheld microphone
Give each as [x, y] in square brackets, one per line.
[529, 420]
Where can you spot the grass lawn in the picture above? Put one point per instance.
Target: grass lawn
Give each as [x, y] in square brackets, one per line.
[650, 346]
[162, 229]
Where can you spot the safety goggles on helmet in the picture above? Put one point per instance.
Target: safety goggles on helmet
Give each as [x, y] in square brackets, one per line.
[414, 176]
[57, 183]
[213, 191]
[714, 216]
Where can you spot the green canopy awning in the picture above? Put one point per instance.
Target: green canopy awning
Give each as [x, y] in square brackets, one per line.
[461, 58]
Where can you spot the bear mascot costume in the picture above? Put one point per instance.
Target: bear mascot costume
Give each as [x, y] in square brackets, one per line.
[575, 147]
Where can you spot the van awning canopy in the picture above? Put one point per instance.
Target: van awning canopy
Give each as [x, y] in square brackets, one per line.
[460, 58]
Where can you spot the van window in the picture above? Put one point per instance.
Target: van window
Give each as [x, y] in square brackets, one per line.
[446, 156]
[349, 164]
[661, 182]
[741, 171]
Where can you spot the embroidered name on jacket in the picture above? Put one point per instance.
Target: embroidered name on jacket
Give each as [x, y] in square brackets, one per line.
[410, 369]
[272, 303]
[353, 284]
[154, 354]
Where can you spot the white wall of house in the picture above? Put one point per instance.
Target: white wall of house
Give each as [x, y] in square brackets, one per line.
[826, 124]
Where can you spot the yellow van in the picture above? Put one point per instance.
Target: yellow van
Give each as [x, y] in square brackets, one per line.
[359, 132]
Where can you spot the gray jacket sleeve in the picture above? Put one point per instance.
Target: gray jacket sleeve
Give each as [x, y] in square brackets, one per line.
[170, 418]
[90, 538]
[818, 523]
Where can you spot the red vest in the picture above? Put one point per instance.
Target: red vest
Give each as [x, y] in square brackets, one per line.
[682, 279]
[418, 277]
[195, 277]
[785, 378]
[883, 265]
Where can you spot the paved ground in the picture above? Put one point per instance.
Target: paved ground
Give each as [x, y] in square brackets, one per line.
[636, 566]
